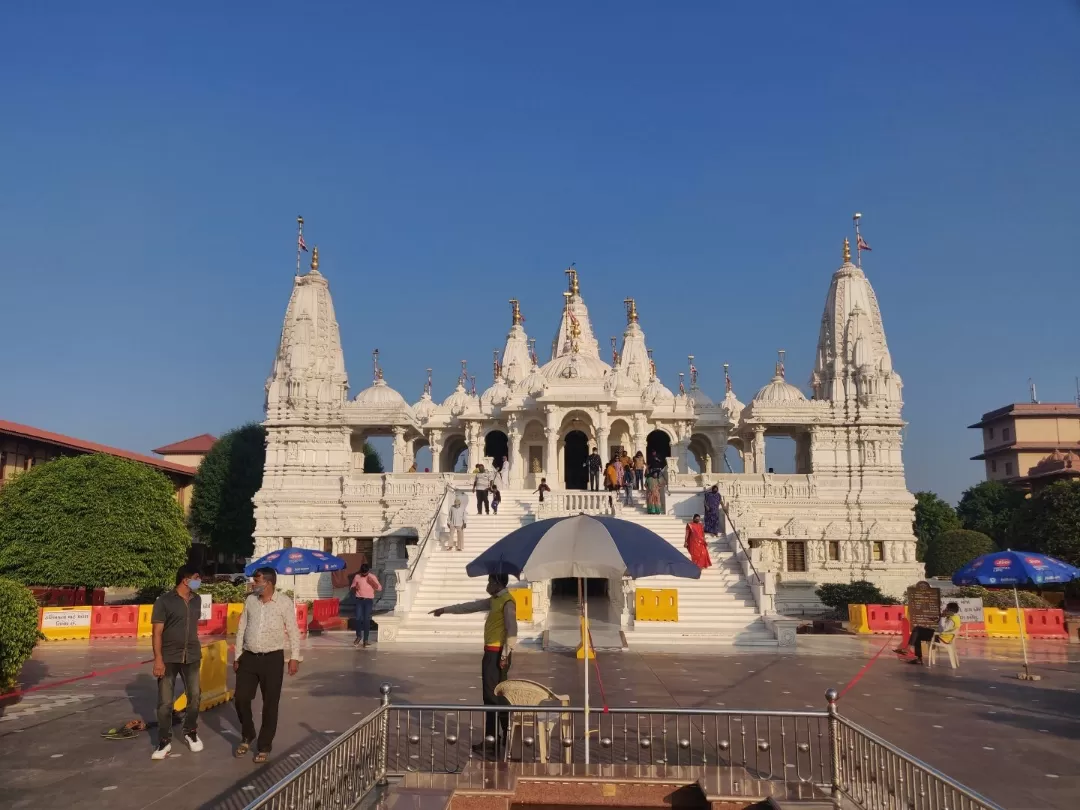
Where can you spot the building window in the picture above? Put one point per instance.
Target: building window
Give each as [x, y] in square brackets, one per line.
[993, 466]
[1006, 434]
[834, 550]
[796, 555]
[989, 433]
[879, 551]
[1008, 468]
[328, 545]
[286, 542]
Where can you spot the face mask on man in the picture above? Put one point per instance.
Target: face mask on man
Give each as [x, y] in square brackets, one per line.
[194, 584]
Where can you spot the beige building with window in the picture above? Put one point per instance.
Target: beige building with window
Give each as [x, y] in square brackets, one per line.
[1017, 437]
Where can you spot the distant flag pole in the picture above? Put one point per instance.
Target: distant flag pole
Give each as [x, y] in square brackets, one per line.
[300, 246]
[860, 243]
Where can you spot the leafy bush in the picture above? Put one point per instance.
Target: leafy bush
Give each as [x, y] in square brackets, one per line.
[18, 630]
[95, 521]
[225, 592]
[950, 551]
[999, 598]
[222, 514]
[933, 517]
[840, 594]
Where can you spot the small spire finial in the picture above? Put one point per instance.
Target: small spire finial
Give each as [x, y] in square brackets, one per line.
[614, 351]
[532, 350]
[315, 259]
[571, 271]
[472, 390]
[780, 363]
[847, 251]
[727, 379]
[515, 308]
[427, 385]
[377, 371]
[652, 365]
[693, 372]
[682, 387]
[464, 378]
[631, 311]
[496, 366]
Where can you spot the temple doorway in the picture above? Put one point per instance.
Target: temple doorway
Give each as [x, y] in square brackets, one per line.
[657, 445]
[496, 447]
[575, 454]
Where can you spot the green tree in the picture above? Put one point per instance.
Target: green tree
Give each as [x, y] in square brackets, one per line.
[953, 549]
[222, 514]
[18, 630]
[1051, 521]
[990, 508]
[933, 517]
[94, 520]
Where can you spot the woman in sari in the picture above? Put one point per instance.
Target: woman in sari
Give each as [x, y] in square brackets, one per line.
[712, 510]
[611, 478]
[695, 543]
[618, 473]
[652, 494]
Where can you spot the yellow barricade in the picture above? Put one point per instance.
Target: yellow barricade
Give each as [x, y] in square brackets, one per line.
[232, 619]
[657, 605]
[523, 600]
[212, 678]
[145, 628]
[1001, 623]
[858, 619]
[66, 623]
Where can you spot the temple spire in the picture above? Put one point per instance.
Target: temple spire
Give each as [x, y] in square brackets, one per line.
[847, 251]
[515, 309]
[631, 310]
[375, 365]
[571, 271]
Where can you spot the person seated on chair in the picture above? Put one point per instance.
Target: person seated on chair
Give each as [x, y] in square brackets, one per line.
[946, 631]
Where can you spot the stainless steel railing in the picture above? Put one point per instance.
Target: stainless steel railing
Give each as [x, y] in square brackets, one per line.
[821, 749]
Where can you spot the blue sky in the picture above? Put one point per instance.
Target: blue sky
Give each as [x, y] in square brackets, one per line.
[704, 158]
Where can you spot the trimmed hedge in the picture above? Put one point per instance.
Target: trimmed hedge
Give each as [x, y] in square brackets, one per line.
[952, 550]
[18, 630]
[861, 592]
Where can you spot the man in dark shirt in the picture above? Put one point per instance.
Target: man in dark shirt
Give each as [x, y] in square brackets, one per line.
[177, 651]
[595, 464]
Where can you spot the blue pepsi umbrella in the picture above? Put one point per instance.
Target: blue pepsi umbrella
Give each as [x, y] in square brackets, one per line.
[1015, 568]
[583, 546]
[296, 561]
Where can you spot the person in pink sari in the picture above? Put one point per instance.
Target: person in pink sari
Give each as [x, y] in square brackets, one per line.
[695, 543]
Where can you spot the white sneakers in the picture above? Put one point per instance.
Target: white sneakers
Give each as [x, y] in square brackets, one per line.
[193, 741]
[162, 751]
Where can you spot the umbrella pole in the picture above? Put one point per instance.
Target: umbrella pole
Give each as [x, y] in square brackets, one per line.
[585, 645]
[1023, 636]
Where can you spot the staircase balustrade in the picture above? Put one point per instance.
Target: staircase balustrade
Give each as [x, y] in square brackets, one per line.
[575, 502]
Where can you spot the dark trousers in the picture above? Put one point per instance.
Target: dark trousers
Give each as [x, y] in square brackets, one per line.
[491, 675]
[266, 670]
[639, 479]
[920, 636]
[594, 480]
[189, 674]
[628, 493]
[482, 502]
[363, 618]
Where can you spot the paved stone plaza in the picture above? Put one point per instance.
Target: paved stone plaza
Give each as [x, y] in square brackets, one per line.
[1017, 743]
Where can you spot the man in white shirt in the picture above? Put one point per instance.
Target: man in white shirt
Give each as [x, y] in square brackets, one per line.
[481, 485]
[267, 626]
[456, 523]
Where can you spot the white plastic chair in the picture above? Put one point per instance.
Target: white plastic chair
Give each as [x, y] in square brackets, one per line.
[531, 693]
[949, 647]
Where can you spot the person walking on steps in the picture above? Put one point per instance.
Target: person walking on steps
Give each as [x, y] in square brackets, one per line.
[267, 627]
[175, 622]
[364, 586]
[481, 485]
[500, 638]
[455, 522]
[496, 498]
[594, 464]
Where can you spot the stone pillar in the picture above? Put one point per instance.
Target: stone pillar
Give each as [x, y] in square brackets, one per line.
[514, 457]
[640, 437]
[602, 432]
[551, 453]
[758, 449]
[435, 441]
[400, 464]
[472, 435]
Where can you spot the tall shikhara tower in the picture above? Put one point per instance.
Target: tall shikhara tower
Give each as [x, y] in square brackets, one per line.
[307, 445]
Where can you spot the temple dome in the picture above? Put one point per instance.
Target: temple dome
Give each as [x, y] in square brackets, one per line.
[424, 407]
[779, 391]
[656, 393]
[460, 401]
[731, 406]
[380, 395]
[497, 394]
[700, 399]
[576, 365]
[534, 384]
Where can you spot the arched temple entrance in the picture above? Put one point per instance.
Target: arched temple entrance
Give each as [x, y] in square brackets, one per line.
[496, 447]
[657, 444]
[575, 453]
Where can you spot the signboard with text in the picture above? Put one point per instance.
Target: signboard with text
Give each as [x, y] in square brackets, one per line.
[53, 619]
[207, 607]
[971, 610]
[924, 605]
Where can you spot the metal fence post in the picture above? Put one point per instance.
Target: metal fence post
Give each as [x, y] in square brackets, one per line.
[831, 696]
[384, 735]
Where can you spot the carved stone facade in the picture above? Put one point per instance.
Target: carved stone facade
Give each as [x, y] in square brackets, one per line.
[845, 513]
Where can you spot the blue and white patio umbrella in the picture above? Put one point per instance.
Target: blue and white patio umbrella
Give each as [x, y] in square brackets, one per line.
[1015, 568]
[296, 561]
[581, 547]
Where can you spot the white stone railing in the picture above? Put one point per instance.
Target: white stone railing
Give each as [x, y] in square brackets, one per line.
[400, 486]
[762, 583]
[575, 502]
[751, 485]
